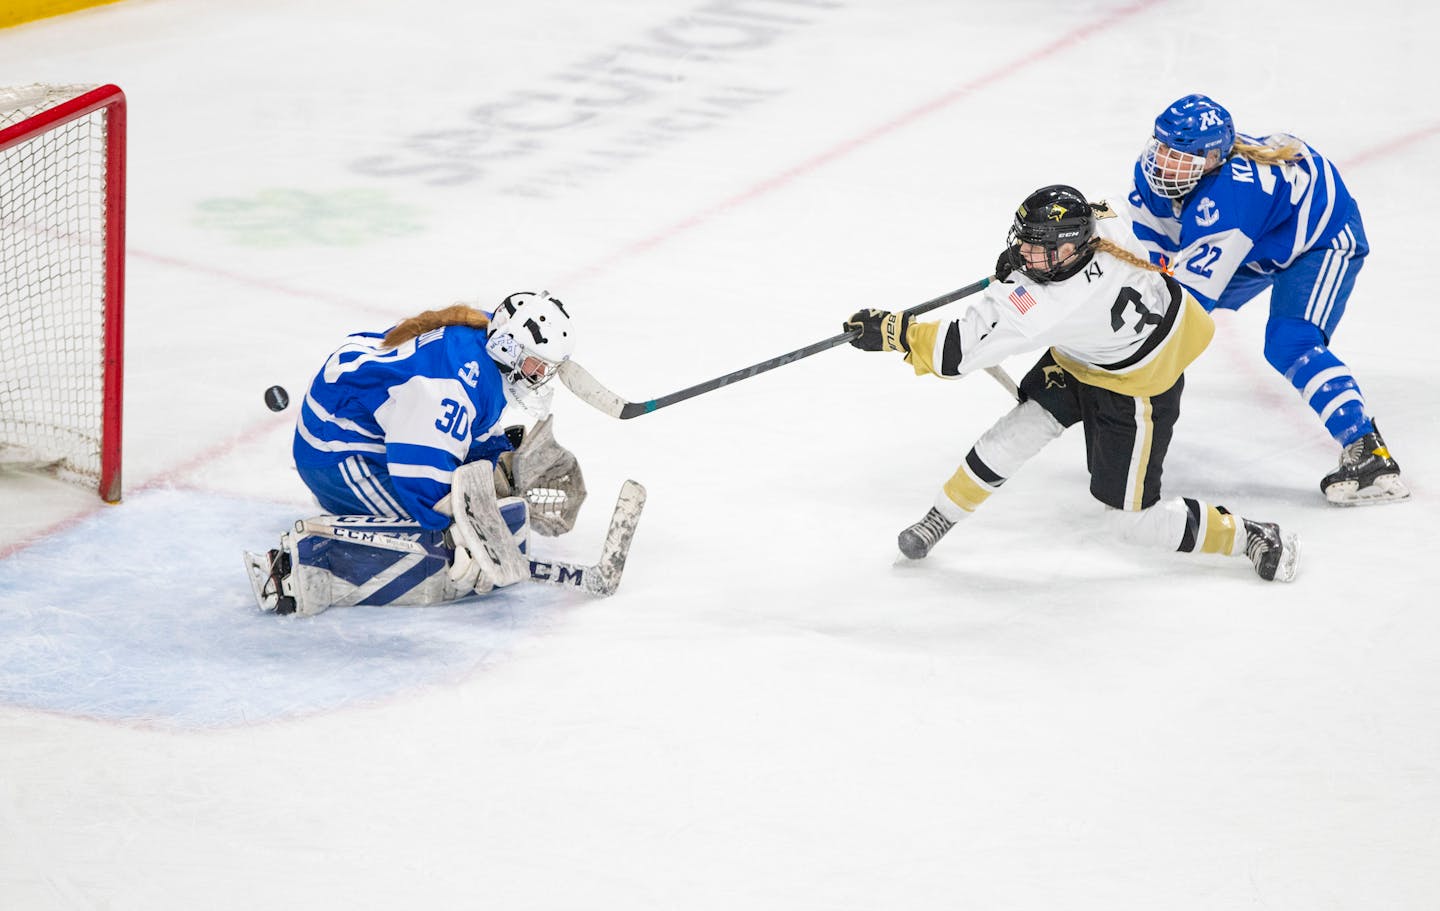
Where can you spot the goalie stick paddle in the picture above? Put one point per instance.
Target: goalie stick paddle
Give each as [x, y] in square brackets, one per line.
[601, 578]
[592, 392]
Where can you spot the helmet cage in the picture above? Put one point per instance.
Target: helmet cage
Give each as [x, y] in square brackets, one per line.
[1170, 172]
[1049, 219]
[1189, 134]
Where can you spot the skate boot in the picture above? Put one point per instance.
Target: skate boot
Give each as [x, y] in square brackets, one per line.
[1276, 556]
[1366, 476]
[916, 541]
[270, 580]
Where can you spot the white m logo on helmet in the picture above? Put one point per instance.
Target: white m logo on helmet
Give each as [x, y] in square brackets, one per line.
[1209, 119]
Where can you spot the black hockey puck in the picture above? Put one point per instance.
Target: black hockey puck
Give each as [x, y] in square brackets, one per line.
[276, 398]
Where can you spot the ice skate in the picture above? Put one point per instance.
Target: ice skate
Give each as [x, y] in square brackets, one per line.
[1367, 475]
[268, 575]
[916, 541]
[1276, 555]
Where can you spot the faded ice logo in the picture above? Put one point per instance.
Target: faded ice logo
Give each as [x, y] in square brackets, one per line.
[294, 218]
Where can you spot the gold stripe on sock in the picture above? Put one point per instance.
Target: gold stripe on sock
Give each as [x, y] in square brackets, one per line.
[964, 491]
[1220, 537]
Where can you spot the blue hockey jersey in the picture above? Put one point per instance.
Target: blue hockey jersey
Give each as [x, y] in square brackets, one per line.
[417, 412]
[1243, 214]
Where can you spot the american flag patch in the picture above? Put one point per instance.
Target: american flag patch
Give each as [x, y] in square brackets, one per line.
[1021, 299]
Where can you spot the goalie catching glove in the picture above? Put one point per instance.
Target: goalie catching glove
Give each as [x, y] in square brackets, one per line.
[880, 330]
[547, 476]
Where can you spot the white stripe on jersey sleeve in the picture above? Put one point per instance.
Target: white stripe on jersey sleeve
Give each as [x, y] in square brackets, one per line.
[335, 445]
[342, 423]
[427, 472]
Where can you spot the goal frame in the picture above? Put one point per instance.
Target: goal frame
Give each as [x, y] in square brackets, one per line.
[112, 100]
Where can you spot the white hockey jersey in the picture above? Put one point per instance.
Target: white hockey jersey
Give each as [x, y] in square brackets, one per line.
[1113, 324]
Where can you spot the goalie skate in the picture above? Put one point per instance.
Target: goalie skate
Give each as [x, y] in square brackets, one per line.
[268, 574]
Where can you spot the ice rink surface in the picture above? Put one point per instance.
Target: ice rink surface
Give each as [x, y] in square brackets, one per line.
[774, 712]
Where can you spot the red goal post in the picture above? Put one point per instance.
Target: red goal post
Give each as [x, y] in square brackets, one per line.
[62, 281]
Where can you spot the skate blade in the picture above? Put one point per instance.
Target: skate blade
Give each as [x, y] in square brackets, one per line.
[1385, 489]
[257, 567]
[1289, 564]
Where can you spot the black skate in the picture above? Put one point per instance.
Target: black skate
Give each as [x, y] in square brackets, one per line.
[1366, 476]
[916, 541]
[268, 575]
[1276, 556]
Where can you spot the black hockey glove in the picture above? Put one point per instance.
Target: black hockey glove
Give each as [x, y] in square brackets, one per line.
[880, 330]
[1006, 263]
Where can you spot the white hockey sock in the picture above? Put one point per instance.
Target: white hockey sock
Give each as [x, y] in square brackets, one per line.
[1000, 452]
[1180, 524]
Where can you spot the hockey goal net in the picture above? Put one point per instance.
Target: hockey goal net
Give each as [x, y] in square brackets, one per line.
[62, 243]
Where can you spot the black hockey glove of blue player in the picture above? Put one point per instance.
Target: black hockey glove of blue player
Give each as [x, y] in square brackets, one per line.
[880, 330]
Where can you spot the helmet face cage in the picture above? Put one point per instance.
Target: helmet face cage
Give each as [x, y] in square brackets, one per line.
[1170, 172]
[530, 338]
[1050, 218]
[1185, 136]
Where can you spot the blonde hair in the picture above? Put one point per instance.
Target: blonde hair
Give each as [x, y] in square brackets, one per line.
[1276, 149]
[1125, 256]
[454, 315]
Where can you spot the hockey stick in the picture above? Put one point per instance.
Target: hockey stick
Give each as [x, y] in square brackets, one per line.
[592, 392]
[601, 578]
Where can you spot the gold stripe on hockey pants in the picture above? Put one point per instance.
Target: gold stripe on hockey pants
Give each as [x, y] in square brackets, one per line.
[1140, 457]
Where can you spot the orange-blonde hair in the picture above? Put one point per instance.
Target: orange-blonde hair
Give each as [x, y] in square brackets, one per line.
[454, 315]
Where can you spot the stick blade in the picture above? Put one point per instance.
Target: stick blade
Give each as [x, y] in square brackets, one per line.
[623, 522]
[590, 391]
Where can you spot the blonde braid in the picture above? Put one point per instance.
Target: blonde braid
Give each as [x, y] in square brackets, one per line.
[1125, 256]
[1276, 150]
[454, 315]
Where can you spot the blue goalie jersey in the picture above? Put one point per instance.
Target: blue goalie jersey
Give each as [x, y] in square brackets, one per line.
[382, 430]
[1243, 215]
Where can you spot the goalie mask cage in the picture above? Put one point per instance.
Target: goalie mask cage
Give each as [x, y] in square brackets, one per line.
[62, 245]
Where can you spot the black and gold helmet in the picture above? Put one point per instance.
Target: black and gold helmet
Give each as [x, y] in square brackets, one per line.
[1050, 218]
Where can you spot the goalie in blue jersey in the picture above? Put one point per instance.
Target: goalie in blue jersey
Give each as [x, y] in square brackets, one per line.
[1235, 215]
[402, 441]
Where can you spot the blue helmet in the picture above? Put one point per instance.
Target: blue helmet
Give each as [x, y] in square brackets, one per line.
[1195, 124]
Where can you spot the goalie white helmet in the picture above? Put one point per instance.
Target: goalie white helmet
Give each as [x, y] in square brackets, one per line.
[530, 337]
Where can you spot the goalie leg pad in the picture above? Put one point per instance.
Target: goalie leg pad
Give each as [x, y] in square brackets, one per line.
[345, 561]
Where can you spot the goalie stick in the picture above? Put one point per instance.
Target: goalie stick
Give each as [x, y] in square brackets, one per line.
[595, 394]
[601, 578]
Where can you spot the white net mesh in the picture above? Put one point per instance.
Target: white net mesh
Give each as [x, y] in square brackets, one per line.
[52, 287]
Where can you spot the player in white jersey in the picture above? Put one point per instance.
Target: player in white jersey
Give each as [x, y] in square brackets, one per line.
[1119, 334]
[401, 440]
[1237, 215]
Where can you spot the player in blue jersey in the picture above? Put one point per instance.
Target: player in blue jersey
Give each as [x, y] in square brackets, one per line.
[391, 415]
[399, 437]
[1235, 215]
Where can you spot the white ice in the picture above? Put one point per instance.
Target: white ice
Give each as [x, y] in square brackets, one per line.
[774, 712]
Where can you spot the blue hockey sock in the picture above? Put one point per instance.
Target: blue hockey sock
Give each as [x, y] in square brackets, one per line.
[1330, 390]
